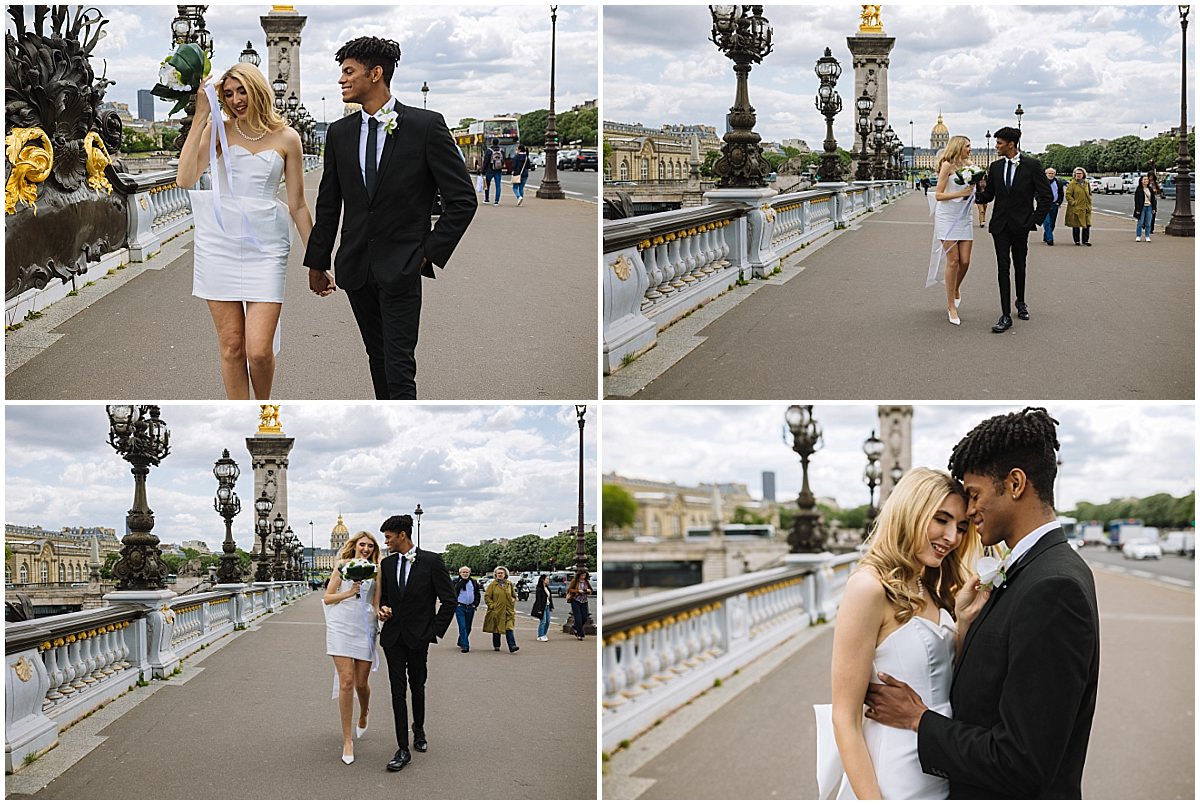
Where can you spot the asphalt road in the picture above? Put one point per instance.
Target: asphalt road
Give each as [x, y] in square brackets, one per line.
[849, 318]
[760, 744]
[254, 720]
[581, 185]
[1172, 569]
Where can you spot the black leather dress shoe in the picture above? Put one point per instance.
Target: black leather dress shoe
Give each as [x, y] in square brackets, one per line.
[420, 744]
[401, 759]
[1002, 325]
[1022, 312]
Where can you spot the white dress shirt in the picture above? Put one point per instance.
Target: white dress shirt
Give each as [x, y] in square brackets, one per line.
[407, 566]
[1029, 540]
[380, 138]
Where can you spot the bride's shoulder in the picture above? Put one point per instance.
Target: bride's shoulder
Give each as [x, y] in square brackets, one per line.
[865, 585]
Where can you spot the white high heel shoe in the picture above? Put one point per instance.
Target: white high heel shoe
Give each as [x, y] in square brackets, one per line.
[360, 731]
[348, 759]
[953, 319]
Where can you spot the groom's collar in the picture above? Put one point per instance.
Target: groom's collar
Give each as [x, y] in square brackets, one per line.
[390, 103]
[1029, 541]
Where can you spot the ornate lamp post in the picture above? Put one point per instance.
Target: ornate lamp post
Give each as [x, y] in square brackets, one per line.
[228, 505]
[873, 475]
[277, 545]
[877, 141]
[142, 439]
[250, 55]
[262, 527]
[292, 104]
[864, 104]
[1019, 112]
[912, 144]
[418, 512]
[424, 94]
[829, 103]
[312, 550]
[805, 536]
[550, 188]
[279, 86]
[988, 143]
[1183, 222]
[289, 543]
[896, 474]
[743, 34]
[580, 543]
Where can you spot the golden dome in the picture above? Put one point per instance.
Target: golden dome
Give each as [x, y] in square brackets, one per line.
[340, 529]
[940, 127]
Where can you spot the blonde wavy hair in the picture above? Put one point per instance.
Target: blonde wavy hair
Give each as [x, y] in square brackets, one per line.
[260, 110]
[347, 550]
[954, 152]
[902, 529]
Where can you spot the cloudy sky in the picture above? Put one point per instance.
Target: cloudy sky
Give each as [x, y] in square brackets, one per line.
[1107, 450]
[479, 60]
[1079, 72]
[477, 471]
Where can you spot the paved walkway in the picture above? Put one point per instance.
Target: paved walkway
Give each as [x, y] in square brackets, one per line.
[754, 737]
[849, 318]
[512, 317]
[252, 718]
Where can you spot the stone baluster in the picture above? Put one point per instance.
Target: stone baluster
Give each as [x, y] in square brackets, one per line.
[666, 270]
[693, 638]
[716, 621]
[687, 256]
[648, 656]
[711, 250]
[631, 662]
[723, 243]
[50, 660]
[614, 675]
[652, 272]
[78, 663]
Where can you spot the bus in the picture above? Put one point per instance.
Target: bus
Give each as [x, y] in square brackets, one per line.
[732, 531]
[475, 139]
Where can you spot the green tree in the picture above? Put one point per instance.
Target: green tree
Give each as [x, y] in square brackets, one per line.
[466, 121]
[710, 159]
[523, 553]
[619, 508]
[1121, 155]
[110, 559]
[533, 128]
[744, 516]
[136, 142]
[174, 561]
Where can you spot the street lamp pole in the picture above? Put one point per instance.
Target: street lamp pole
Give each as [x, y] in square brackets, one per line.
[1183, 223]
[550, 187]
[418, 512]
[744, 35]
[580, 544]
[262, 528]
[864, 104]
[228, 505]
[1019, 112]
[424, 94]
[805, 536]
[312, 550]
[873, 475]
[829, 103]
[140, 437]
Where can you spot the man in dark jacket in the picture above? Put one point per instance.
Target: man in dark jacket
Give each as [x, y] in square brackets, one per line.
[493, 171]
[467, 591]
[1057, 188]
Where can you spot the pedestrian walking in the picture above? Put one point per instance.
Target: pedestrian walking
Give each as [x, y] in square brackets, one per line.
[1079, 207]
[1057, 188]
[981, 207]
[543, 605]
[501, 598]
[1144, 207]
[577, 595]
[493, 171]
[467, 592]
[520, 173]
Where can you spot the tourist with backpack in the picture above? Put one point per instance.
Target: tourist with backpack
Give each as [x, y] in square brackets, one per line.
[493, 170]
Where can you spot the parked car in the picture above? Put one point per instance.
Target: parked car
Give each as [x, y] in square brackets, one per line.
[1094, 183]
[1180, 542]
[566, 158]
[558, 583]
[586, 160]
[1129, 185]
[1168, 187]
[1142, 548]
[1112, 184]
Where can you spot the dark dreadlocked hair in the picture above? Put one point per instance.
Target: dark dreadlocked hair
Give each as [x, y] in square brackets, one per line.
[1027, 440]
[372, 52]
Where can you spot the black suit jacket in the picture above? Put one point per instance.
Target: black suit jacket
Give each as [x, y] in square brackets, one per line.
[413, 618]
[1062, 198]
[388, 233]
[1014, 209]
[1024, 688]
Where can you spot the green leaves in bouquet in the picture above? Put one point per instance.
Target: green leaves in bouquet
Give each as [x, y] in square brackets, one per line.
[182, 71]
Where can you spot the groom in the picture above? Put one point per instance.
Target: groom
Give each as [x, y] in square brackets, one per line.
[1024, 686]
[1014, 181]
[384, 166]
[412, 581]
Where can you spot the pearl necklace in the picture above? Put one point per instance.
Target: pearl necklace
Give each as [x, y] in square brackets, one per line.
[920, 587]
[247, 137]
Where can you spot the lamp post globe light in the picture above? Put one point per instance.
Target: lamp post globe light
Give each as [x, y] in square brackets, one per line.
[228, 505]
[1183, 222]
[262, 528]
[550, 187]
[289, 542]
[1019, 112]
[140, 437]
[896, 474]
[250, 55]
[873, 475]
[744, 35]
[806, 535]
[424, 94]
[279, 86]
[829, 103]
[418, 512]
[277, 545]
[864, 105]
[877, 141]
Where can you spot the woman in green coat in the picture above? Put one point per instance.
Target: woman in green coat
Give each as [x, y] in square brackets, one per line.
[501, 599]
[1079, 206]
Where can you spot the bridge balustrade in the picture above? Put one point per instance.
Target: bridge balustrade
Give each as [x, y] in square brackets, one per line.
[661, 267]
[62, 667]
[664, 649]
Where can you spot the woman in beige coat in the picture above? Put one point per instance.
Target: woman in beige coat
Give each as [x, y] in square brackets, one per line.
[501, 599]
[1079, 206]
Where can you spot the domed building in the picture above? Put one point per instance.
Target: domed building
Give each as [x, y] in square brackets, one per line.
[339, 535]
[940, 135]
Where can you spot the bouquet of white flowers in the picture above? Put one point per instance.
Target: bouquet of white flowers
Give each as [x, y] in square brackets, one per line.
[993, 570]
[969, 174]
[358, 570]
[180, 74]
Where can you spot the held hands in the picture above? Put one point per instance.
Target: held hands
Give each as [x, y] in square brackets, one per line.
[321, 282]
[894, 704]
[969, 601]
[384, 613]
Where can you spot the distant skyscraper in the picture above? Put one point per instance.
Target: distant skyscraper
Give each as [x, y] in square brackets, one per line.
[145, 105]
[768, 486]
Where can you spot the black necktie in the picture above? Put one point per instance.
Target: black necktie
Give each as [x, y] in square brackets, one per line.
[370, 156]
[403, 567]
[1008, 173]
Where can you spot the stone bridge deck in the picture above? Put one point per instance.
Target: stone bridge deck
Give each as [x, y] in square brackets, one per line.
[754, 736]
[251, 718]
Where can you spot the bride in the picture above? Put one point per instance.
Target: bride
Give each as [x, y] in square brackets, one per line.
[953, 235]
[243, 237]
[895, 618]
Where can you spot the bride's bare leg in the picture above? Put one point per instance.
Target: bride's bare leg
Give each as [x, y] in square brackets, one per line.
[230, 321]
[964, 262]
[951, 251]
[345, 672]
[261, 319]
[362, 675]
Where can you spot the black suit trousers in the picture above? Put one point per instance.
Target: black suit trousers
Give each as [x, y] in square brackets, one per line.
[409, 667]
[1006, 241]
[389, 319]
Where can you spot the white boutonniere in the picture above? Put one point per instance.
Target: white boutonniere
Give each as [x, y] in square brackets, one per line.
[411, 556]
[388, 119]
[993, 570]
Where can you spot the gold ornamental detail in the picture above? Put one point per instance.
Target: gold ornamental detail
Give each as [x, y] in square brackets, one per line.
[622, 267]
[24, 669]
[31, 164]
